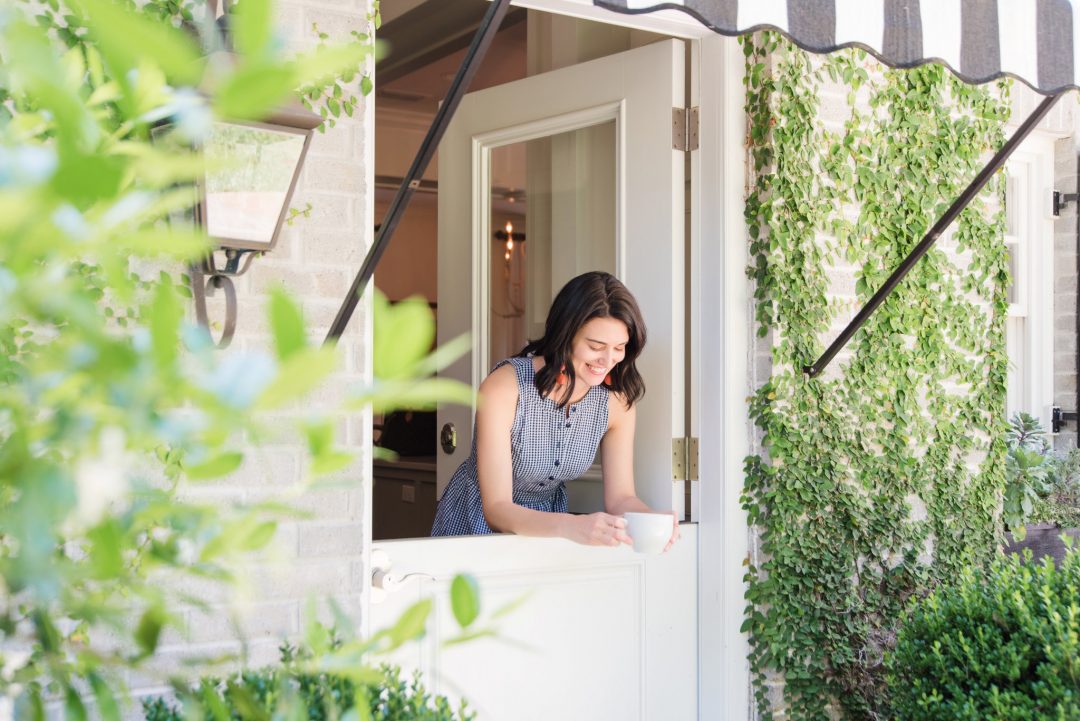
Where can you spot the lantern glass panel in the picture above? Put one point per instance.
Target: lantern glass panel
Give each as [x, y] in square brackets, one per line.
[250, 171]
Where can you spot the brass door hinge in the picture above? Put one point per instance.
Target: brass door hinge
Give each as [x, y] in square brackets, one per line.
[684, 129]
[684, 459]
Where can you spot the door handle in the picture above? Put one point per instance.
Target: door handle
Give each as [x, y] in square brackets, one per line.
[384, 582]
[391, 582]
[448, 438]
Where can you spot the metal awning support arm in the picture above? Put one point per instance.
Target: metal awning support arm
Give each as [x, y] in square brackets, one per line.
[473, 57]
[934, 233]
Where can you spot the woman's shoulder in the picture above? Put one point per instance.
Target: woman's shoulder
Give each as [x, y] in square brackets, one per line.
[502, 380]
[618, 408]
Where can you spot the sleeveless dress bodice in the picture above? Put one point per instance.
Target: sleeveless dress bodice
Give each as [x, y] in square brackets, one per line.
[549, 446]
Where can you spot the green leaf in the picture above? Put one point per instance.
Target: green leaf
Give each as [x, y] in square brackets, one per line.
[287, 324]
[167, 242]
[260, 535]
[444, 355]
[107, 707]
[106, 549]
[165, 317]
[409, 626]
[331, 462]
[467, 636]
[299, 375]
[254, 90]
[148, 631]
[414, 395]
[213, 703]
[245, 703]
[325, 64]
[73, 705]
[127, 39]
[465, 599]
[220, 465]
[403, 335]
[251, 23]
[85, 178]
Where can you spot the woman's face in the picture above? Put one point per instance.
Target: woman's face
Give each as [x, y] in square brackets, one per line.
[598, 346]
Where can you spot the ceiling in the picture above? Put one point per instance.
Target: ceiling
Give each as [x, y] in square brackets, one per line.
[426, 42]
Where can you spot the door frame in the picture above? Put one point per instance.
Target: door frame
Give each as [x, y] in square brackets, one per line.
[1036, 261]
[480, 152]
[720, 359]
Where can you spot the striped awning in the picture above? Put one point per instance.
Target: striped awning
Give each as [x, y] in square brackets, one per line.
[978, 40]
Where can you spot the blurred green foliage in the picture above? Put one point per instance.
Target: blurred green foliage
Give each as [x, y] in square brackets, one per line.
[110, 398]
[329, 677]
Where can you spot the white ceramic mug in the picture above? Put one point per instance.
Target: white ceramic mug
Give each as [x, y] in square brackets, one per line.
[649, 531]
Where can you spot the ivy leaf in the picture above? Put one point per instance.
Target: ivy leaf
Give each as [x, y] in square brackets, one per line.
[465, 599]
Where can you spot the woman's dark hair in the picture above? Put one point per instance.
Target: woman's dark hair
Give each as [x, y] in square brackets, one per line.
[590, 295]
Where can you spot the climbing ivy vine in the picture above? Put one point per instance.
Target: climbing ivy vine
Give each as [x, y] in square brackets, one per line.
[885, 476]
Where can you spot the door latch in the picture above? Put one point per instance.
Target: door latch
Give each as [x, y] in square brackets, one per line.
[448, 438]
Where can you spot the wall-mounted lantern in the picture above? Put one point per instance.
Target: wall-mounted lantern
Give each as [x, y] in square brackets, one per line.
[243, 198]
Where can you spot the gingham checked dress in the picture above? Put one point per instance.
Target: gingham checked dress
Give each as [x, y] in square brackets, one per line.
[548, 445]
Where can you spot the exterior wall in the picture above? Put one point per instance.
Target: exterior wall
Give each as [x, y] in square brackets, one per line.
[1060, 123]
[1066, 238]
[322, 554]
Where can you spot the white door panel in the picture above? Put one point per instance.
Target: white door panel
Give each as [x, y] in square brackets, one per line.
[602, 633]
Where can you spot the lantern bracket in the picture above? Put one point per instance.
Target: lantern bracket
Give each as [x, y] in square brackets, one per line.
[204, 282]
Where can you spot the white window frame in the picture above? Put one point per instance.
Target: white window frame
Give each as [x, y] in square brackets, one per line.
[1030, 235]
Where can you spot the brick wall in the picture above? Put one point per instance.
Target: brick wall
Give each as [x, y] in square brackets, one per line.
[315, 261]
[1065, 334]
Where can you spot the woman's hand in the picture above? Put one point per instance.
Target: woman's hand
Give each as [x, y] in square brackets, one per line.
[598, 529]
[674, 532]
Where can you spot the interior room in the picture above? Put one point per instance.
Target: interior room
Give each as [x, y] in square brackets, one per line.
[552, 210]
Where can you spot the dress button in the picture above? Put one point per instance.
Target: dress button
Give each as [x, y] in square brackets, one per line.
[541, 484]
[551, 478]
[556, 463]
[567, 425]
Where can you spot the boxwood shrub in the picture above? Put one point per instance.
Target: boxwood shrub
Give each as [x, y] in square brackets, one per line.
[998, 644]
[284, 692]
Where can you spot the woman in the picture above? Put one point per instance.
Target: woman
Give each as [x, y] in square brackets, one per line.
[541, 417]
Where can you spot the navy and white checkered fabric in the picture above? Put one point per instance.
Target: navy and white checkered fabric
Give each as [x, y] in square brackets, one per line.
[549, 446]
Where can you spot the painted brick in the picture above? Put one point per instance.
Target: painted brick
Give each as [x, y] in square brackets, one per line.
[250, 622]
[329, 211]
[339, 248]
[336, 142]
[323, 505]
[332, 175]
[337, 539]
[300, 580]
[337, 24]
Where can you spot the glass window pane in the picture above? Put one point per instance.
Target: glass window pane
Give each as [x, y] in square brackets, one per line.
[553, 217]
[1011, 292]
[249, 171]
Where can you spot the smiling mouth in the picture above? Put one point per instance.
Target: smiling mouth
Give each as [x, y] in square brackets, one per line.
[595, 370]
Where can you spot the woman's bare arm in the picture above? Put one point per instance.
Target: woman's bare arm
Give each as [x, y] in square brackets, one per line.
[494, 419]
[617, 457]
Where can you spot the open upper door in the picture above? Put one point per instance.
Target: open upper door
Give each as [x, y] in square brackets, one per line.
[604, 190]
